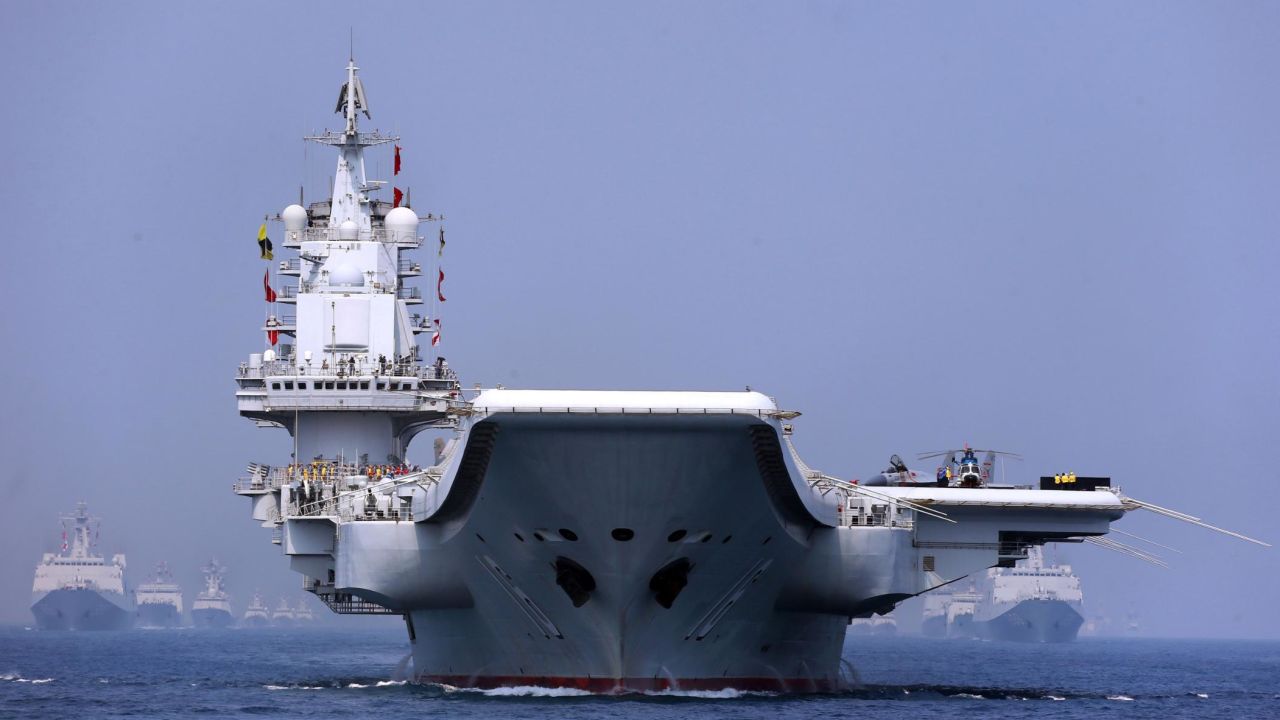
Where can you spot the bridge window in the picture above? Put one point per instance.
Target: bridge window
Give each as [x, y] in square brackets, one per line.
[288, 385]
[275, 386]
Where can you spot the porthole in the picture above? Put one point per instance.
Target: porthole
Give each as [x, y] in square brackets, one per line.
[766, 540]
[623, 534]
[537, 535]
[518, 537]
[479, 537]
[706, 537]
[568, 534]
[676, 536]
[726, 539]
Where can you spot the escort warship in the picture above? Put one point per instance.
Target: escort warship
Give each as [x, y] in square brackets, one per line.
[76, 589]
[606, 540]
[257, 614]
[212, 608]
[282, 616]
[159, 600]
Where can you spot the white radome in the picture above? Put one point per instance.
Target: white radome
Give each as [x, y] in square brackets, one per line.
[294, 217]
[402, 224]
[346, 275]
[348, 230]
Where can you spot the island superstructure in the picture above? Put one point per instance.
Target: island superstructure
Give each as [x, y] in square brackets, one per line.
[608, 540]
[77, 589]
[159, 600]
[1030, 602]
[212, 607]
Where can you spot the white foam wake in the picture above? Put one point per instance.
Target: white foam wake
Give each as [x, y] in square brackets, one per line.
[1121, 698]
[16, 677]
[722, 694]
[518, 691]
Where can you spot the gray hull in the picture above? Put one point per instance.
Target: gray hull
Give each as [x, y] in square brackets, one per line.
[158, 615]
[207, 618]
[82, 609]
[934, 626]
[621, 501]
[1035, 621]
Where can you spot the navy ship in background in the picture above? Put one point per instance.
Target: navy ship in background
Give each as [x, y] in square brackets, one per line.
[1031, 602]
[212, 608]
[159, 600]
[77, 589]
[256, 615]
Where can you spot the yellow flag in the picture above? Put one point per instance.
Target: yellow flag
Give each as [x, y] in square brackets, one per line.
[264, 243]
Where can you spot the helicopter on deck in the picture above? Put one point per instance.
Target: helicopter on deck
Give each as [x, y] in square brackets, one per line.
[962, 467]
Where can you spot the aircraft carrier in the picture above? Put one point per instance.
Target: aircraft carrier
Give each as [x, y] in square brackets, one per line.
[606, 540]
[1031, 602]
[159, 600]
[76, 589]
[212, 608]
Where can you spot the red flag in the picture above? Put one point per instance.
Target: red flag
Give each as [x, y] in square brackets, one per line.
[266, 284]
[273, 336]
[440, 287]
[435, 336]
[397, 172]
[398, 198]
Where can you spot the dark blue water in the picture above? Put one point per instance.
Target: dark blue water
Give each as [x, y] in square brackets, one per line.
[345, 674]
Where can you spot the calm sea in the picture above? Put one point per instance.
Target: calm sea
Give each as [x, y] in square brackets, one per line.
[336, 673]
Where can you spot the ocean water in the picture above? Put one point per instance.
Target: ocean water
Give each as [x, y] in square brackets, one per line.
[345, 673]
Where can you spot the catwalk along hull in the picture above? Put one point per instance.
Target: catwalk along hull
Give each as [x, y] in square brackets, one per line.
[211, 618]
[82, 609]
[158, 615]
[1034, 621]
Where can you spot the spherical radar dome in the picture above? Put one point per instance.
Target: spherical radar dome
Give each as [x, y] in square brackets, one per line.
[346, 275]
[295, 217]
[402, 222]
[348, 230]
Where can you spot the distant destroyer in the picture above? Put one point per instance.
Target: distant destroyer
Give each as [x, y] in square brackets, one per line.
[212, 608]
[256, 615]
[76, 589]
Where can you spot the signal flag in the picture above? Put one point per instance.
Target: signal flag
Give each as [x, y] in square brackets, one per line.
[264, 243]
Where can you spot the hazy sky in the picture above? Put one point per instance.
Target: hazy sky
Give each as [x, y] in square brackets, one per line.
[1048, 228]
